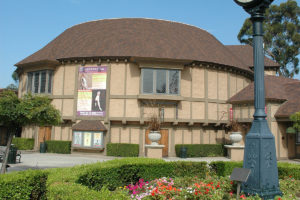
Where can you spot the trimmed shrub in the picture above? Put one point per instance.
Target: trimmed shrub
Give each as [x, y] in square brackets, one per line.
[54, 146]
[123, 172]
[30, 184]
[23, 143]
[201, 150]
[222, 168]
[288, 169]
[122, 150]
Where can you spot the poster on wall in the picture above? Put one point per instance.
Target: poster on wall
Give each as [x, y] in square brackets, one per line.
[97, 140]
[77, 138]
[87, 139]
[91, 99]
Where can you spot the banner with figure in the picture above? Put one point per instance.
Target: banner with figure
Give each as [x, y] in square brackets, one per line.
[91, 99]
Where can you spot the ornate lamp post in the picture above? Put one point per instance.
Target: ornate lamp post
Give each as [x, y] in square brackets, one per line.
[260, 152]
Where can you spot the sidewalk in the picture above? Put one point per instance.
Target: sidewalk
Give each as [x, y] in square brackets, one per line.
[34, 160]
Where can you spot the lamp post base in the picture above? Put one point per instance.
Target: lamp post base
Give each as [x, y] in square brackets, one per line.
[260, 157]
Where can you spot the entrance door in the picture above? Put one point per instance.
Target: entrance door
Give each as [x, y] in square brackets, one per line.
[164, 140]
[44, 133]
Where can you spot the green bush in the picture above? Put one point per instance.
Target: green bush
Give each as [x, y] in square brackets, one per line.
[122, 150]
[123, 172]
[54, 146]
[288, 169]
[222, 168]
[23, 143]
[30, 184]
[201, 150]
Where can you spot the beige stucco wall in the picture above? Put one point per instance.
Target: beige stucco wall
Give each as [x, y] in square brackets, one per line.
[204, 92]
[117, 79]
[186, 82]
[198, 109]
[67, 107]
[184, 110]
[212, 78]
[58, 80]
[284, 146]
[132, 108]
[270, 72]
[222, 85]
[69, 79]
[198, 89]
[133, 79]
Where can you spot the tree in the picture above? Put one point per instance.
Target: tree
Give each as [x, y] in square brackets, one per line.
[281, 38]
[29, 110]
[12, 87]
[15, 76]
[295, 118]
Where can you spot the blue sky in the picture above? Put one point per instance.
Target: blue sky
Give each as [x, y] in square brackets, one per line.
[28, 25]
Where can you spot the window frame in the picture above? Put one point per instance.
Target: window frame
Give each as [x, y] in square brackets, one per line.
[31, 80]
[92, 146]
[154, 81]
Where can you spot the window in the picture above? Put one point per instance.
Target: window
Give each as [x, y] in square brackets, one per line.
[40, 81]
[160, 81]
[88, 139]
[298, 138]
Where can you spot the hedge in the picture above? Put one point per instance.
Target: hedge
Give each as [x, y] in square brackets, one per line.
[201, 150]
[123, 172]
[30, 184]
[54, 146]
[288, 169]
[222, 168]
[122, 150]
[23, 143]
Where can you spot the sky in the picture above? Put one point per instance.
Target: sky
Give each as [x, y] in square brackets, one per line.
[28, 25]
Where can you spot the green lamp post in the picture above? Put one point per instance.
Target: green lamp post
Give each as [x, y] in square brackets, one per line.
[260, 151]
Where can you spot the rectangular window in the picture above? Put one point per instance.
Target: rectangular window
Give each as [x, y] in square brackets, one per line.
[50, 74]
[160, 81]
[174, 81]
[36, 82]
[29, 82]
[88, 139]
[147, 81]
[39, 81]
[43, 82]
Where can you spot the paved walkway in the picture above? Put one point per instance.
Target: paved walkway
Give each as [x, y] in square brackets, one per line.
[34, 160]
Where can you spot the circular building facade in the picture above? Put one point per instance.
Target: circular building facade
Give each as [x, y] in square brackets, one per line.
[108, 76]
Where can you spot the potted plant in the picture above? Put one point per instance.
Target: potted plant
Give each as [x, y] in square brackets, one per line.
[236, 134]
[154, 127]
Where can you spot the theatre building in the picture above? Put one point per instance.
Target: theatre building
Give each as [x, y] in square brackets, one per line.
[108, 76]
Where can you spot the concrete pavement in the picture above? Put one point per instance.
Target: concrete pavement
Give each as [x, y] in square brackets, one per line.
[35, 160]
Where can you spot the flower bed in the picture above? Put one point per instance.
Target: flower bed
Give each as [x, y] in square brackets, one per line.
[212, 188]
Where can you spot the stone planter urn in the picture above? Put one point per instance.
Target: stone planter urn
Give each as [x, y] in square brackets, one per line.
[235, 138]
[154, 137]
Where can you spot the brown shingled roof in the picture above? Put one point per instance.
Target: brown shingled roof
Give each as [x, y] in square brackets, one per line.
[136, 37]
[293, 104]
[276, 88]
[245, 54]
[89, 125]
